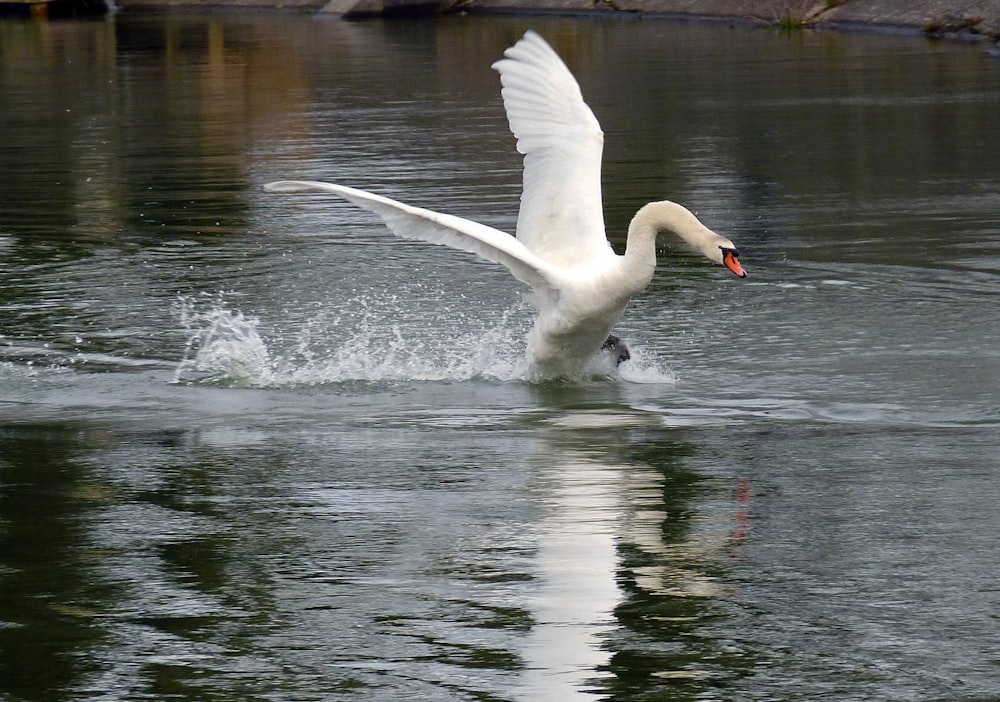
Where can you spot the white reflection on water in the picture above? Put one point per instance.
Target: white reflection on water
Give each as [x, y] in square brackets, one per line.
[618, 538]
[597, 500]
[576, 559]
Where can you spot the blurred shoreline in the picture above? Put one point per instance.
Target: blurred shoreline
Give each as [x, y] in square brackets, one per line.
[958, 19]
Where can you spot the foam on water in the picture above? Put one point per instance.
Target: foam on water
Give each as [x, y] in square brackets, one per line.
[645, 368]
[225, 346]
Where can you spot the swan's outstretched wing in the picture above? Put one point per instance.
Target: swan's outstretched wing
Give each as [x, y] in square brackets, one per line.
[561, 217]
[437, 228]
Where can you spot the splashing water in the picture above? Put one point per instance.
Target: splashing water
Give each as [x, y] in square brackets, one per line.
[645, 368]
[226, 347]
[221, 344]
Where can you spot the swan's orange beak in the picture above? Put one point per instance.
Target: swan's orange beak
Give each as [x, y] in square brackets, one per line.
[731, 260]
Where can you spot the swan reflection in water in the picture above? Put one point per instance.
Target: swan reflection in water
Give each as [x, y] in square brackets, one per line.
[579, 285]
[629, 535]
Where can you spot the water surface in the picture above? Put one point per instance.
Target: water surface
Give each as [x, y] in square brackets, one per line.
[253, 447]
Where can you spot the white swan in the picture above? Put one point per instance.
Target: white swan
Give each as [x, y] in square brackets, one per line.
[580, 285]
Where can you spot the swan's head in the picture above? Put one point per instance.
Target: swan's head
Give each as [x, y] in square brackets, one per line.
[713, 246]
[669, 216]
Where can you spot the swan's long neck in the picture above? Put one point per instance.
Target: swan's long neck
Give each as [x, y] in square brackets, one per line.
[666, 216]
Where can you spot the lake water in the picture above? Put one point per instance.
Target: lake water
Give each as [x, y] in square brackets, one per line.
[252, 447]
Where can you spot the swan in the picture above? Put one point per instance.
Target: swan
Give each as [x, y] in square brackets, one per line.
[580, 286]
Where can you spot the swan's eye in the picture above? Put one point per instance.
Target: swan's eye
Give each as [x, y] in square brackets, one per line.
[734, 252]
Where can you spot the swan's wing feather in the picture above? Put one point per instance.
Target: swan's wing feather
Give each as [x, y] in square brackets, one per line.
[561, 217]
[411, 222]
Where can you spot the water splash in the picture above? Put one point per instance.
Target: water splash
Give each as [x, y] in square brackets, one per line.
[356, 344]
[646, 368]
[222, 344]
[225, 346]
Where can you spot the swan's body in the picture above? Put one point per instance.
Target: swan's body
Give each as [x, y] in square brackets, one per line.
[581, 286]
